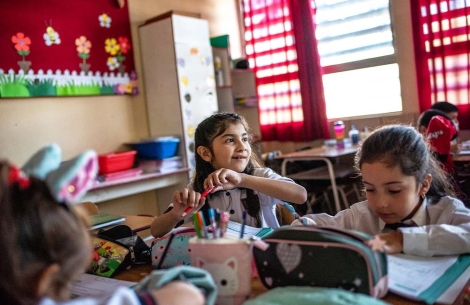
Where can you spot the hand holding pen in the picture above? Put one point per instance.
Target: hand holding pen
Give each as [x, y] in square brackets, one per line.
[189, 208]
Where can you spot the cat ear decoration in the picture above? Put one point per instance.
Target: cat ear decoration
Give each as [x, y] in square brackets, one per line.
[68, 181]
[44, 161]
[73, 178]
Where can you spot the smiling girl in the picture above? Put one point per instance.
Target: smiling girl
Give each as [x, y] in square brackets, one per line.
[225, 165]
[410, 205]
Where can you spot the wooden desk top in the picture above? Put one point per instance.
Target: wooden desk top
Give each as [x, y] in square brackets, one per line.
[138, 223]
[321, 152]
[137, 272]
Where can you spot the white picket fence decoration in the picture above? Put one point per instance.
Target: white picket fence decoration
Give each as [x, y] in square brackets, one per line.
[74, 78]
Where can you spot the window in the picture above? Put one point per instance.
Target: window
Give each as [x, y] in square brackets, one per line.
[355, 44]
[271, 52]
[446, 31]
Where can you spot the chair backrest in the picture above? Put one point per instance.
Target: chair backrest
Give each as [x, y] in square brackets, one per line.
[283, 215]
[90, 207]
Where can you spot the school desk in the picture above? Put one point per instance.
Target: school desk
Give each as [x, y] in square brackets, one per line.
[140, 224]
[138, 272]
[328, 155]
[135, 273]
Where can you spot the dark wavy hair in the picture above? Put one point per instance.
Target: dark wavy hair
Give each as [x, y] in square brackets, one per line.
[37, 232]
[400, 145]
[206, 132]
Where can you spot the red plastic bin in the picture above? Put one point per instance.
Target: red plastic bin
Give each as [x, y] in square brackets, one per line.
[116, 162]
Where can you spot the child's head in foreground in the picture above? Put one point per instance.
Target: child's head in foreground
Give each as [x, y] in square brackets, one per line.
[45, 244]
[223, 141]
[398, 171]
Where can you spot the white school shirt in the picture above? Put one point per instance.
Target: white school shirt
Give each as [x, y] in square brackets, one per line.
[122, 296]
[231, 201]
[442, 228]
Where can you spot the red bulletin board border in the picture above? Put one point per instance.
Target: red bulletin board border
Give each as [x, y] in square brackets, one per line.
[54, 56]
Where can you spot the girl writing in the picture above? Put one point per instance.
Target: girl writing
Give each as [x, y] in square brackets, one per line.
[225, 165]
[45, 242]
[410, 205]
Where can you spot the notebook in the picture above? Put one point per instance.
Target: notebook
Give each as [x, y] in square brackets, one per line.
[428, 279]
[101, 220]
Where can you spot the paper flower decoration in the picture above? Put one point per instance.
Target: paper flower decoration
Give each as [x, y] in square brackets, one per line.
[21, 44]
[111, 46]
[112, 63]
[117, 48]
[105, 21]
[83, 49]
[124, 45]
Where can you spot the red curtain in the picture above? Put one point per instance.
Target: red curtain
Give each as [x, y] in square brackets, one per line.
[442, 51]
[281, 48]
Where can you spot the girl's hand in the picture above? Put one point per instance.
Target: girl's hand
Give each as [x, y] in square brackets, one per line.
[223, 179]
[390, 242]
[184, 199]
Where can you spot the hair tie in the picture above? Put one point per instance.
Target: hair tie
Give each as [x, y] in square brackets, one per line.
[17, 176]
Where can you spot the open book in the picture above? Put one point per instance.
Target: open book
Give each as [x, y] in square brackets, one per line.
[101, 220]
[234, 229]
[429, 279]
[94, 286]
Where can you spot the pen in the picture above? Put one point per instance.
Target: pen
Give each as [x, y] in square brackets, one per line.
[165, 250]
[213, 224]
[204, 194]
[291, 209]
[242, 231]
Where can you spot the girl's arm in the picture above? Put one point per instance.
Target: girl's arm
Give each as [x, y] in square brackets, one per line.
[181, 200]
[283, 190]
[225, 179]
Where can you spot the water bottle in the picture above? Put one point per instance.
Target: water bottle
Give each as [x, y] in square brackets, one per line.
[339, 130]
[354, 135]
[339, 134]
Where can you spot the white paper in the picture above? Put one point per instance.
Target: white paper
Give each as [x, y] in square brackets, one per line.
[234, 229]
[410, 275]
[93, 286]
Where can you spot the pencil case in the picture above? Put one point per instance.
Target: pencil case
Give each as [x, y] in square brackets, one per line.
[178, 252]
[115, 249]
[321, 256]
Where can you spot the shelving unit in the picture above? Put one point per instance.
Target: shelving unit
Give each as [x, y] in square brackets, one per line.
[133, 185]
[238, 92]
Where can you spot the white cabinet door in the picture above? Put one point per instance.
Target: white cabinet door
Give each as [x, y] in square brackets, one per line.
[197, 92]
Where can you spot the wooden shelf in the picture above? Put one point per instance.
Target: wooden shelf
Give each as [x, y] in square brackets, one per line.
[108, 190]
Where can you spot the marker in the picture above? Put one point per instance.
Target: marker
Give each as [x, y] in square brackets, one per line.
[202, 224]
[242, 231]
[196, 225]
[224, 218]
[204, 194]
[213, 224]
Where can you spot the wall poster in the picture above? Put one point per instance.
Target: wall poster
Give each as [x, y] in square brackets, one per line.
[65, 48]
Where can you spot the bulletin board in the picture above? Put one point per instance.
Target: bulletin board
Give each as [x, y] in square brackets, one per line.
[65, 48]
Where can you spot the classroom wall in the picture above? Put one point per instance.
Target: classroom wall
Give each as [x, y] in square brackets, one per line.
[103, 123]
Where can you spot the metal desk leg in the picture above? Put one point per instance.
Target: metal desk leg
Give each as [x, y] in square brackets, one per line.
[331, 173]
[333, 183]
